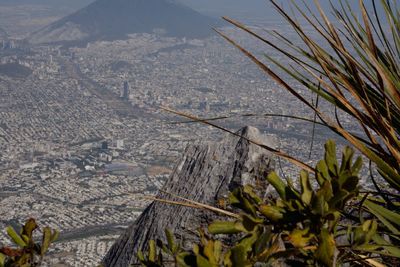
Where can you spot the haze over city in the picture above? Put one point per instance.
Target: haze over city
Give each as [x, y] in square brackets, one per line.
[83, 138]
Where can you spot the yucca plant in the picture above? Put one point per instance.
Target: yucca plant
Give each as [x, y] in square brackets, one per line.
[353, 64]
[355, 68]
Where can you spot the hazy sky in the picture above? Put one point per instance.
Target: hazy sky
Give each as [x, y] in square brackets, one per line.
[256, 8]
[68, 3]
[209, 5]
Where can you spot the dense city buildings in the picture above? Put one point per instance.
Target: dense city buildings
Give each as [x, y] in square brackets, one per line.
[84, 139]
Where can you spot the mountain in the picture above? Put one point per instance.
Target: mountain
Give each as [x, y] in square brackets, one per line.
[114, 19]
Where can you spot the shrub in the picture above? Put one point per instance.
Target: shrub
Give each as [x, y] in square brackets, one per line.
[304, 227]
[28, 252]
[356, 69]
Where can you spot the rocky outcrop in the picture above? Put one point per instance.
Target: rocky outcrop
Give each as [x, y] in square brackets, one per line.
[206, 173]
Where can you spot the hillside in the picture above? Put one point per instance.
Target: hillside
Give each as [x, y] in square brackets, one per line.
[114, 19]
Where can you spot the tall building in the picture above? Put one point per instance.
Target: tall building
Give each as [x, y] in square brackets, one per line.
[104, 145]
[126, 91]
[8, 44]
[120, 144]
[12, 44]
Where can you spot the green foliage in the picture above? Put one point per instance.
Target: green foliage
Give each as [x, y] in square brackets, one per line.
[355, 68]
[353, 64]
[302, 226]
[27, 252]
[154, 259]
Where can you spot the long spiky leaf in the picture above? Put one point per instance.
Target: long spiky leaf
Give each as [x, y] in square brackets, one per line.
[278, 153]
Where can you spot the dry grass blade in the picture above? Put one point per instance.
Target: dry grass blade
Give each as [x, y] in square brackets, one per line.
[316, 50]
[369, 77]
[278, 153]
[340, 50]
[276, 77]
[195, 205]
[244, 28]
[314, 124]
[364, 119]
[312, 121]
[280, 81]
[203, 205]
[351, 138]
[369, 261]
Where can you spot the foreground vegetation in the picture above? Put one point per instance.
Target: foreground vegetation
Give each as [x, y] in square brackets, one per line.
[329, 220]
[355, 68]
[28, 251]
[301, 227]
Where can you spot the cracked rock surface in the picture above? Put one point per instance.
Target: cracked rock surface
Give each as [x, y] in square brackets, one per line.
[206, 173]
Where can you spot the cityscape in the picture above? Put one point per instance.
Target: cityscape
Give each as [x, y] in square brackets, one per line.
[84, 138]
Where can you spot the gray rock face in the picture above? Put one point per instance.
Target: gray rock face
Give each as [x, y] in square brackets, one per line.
[206, 173]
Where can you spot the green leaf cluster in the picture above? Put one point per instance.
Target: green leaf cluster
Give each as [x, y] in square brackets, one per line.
[302, 226]
[28, 252]
[355, 67]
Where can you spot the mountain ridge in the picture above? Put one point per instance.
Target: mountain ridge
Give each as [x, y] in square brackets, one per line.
[114, 19]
